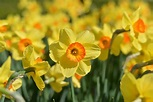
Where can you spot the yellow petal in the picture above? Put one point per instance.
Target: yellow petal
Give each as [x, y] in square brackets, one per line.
[76, 82]
[84, 68]
[85, 37]
[16, 84]
[126, 48]
[145, 86]
[5, 70]
[115, 47]
[142, 38]
[92, 51]
[135, 15]
[58, 86]
[104, 55]
[41, 68]
[106, 30]
[56, 51]
[68, 67]
[150, 49]
[66, 37]
[38, 81]
[21, 34]
[128, 87]
[28, 56]
[136, 44]
[2, 46]
[126, 21]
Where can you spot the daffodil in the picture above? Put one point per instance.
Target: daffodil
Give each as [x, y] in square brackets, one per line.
[5, 75]
[55, 78]
[24, 39]
[103, 38]
[137, 28]
[137, 90]
[74, 52]
[37, 66]
[126, 45]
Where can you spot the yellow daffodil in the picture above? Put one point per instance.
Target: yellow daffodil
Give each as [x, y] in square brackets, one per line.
[74, 52]
[38, 67]
[103, 38]
[126, 45]
[5, 75]
[55, 78]
[22, 40]
[137, 28]
[137, 90]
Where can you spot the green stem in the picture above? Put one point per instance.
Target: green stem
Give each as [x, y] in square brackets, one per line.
[14, 95]
[13, 77]
[72, 90]
[140, 65]
[115, 33]
[2, 98]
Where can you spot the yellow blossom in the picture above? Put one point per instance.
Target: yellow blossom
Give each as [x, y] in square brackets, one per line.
[137, 89]
[38, 67]
[56, 77]
[24, 39]
[74, 52]
[137, 28]
[5, 75]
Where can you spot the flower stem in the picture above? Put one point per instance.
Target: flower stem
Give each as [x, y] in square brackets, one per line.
[72, 90]
[2, 98]
[140, 65]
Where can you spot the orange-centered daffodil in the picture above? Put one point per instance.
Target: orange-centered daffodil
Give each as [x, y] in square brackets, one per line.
[74, 52]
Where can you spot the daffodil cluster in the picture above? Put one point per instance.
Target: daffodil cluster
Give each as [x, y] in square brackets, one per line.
[59, 39]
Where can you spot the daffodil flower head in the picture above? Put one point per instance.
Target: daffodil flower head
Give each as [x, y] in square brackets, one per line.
[55, 78]
[103, 38]
[37, 66]
[137, 28]
[5, 75]
[74, 52]
[24, 39]
[137, 90]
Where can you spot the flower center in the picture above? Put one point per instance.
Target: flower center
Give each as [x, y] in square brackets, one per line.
[104, 42]
[139, 26]
[75, 52]
[24, 43]
[3, 29]
[126, 38]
